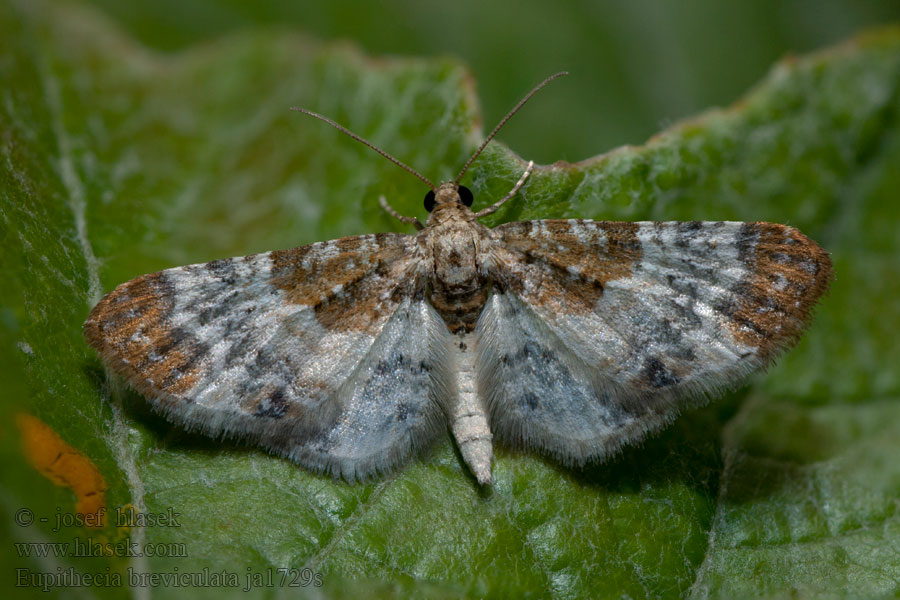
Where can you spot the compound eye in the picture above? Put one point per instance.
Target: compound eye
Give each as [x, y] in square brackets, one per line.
[465, 195]
[429, 200]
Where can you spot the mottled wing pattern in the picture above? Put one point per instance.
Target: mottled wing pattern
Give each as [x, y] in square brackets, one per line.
[600, 332]
[327, 354]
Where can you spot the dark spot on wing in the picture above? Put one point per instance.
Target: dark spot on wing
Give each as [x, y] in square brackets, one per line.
[530, 400]
[221, 307]
[274, 406]
[399, 363]
[222, 269]
[746, 242]
[687, 231]
[656, 373]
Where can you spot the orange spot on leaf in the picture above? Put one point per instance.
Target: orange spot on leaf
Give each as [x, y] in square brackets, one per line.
[65, 466]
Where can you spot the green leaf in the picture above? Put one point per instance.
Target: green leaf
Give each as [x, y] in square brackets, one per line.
[119, 161]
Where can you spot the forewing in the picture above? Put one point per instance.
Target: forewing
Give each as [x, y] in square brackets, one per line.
[602, 331]
[325, 353]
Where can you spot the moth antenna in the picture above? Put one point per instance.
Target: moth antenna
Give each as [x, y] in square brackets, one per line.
[362, 140]
[505, 119]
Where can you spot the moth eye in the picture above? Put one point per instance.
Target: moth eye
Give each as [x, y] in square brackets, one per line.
[429, 200]
[465, 195]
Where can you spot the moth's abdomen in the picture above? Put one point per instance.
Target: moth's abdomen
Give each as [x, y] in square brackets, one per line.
[460, 308]
[468, 417]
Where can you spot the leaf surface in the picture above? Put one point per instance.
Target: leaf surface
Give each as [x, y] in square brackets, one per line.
[120, 161]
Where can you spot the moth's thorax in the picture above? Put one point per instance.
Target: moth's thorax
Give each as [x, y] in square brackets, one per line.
[456, 244]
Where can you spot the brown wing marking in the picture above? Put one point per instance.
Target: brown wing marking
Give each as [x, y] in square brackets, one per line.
[352, 283]
[130, 329]
[771, 307]
[580, 263]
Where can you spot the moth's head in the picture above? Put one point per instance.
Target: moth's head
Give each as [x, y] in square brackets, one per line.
[448, 194]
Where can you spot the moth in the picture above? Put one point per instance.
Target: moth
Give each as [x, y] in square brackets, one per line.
[569, 337]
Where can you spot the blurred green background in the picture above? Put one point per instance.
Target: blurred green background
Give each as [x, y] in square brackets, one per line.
[636, 65]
